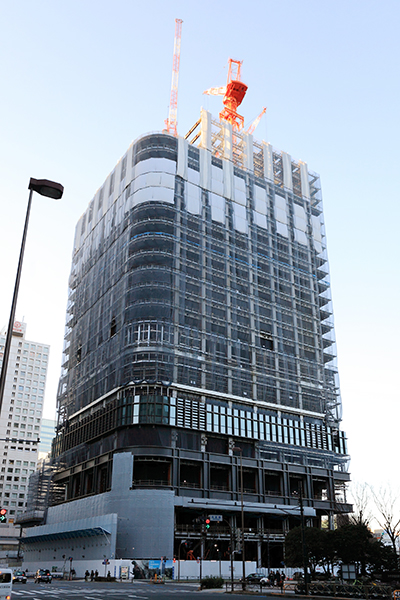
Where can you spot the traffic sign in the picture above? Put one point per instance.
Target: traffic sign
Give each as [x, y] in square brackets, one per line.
[216, 518]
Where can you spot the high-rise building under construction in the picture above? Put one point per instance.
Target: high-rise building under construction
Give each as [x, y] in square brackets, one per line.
[199, 371]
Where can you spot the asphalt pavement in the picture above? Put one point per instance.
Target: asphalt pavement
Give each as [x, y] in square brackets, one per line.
[138, 590]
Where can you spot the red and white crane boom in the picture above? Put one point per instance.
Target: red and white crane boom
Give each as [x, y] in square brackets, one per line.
[171, 122]
[256, 121]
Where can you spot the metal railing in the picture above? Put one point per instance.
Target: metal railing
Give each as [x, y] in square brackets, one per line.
[343, 590]
[321, 588]
[218, 529]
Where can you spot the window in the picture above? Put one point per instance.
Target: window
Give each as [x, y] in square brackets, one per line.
[89, 220]
[113, 327]
[111, 184]
[123, 168]
[101, 196]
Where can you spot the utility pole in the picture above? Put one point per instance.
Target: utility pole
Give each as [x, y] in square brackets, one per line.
[303, 538]
[242, 511]
[232, 542]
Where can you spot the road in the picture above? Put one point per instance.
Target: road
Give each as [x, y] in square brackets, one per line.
[138, 590]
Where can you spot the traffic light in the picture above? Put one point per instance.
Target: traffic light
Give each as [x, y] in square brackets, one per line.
[3, 513]
[207, 523]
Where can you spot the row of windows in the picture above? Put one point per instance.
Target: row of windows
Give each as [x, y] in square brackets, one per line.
[193, 414]
[19, 463]
[27, 346]
[27, 448]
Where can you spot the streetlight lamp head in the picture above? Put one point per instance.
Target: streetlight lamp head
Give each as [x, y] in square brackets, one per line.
[44, 187]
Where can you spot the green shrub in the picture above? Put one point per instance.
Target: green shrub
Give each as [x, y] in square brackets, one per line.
[211, 583]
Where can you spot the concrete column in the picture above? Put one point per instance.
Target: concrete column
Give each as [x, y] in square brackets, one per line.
[305, 186]
[248, 152]
[205, 128]
[259, 545]
[268, 162]
[287, 171]
[181, 167]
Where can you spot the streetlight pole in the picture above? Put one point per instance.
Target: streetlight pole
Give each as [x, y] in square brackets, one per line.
[232, 579]
[303, 538]
[231, 552]
[242, 511]
[44, 187]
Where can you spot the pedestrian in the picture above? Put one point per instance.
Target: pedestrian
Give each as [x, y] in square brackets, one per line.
[278, 579]
[87, 575]
[96, 574]
[282, 578]
[91, 575]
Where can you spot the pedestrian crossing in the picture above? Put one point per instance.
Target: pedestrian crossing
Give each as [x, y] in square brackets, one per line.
[99, 593]
[80, 592]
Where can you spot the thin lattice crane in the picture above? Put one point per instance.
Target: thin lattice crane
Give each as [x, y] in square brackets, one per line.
[171, 122]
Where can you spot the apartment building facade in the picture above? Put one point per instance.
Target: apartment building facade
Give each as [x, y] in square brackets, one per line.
[20, 423]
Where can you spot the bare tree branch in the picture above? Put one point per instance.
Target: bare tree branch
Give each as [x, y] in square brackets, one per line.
[387, 504]
[361, 499]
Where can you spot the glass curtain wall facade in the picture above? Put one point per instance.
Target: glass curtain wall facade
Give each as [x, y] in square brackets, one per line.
[199, 320]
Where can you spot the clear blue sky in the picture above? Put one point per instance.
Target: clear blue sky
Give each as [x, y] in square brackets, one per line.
[81, 79]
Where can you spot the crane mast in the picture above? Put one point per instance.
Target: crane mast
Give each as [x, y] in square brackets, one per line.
[171, 122]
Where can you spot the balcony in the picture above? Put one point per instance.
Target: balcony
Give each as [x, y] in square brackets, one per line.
[151, 483]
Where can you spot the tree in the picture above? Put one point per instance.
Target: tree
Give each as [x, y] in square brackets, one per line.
[350, 544]
[356, 544]
[361, 500]
[319, 544]
[387, 504]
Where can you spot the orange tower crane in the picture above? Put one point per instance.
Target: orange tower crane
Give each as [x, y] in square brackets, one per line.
[233, 94]
[171, 122]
